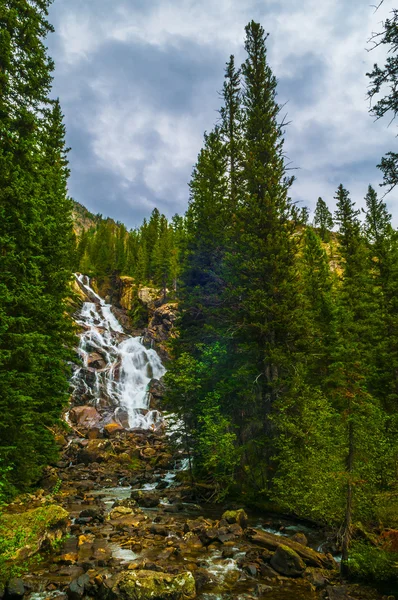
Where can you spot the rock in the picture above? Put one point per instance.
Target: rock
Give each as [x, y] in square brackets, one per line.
[120, 511]
[126, 293]
[272, 541]
[202, 578]
[148, 452]
[300, 538]
[15, 589]
[96, 361]
[60, 440]
[236, 516]
[251, 569]
[146, 498]
[85, 416]
[95, 451]
[338, 592]
[111, 429]
[147, 295]
[76, 589]
[152, 585]
[261, 589]
[287, 562]
[41, 527]
[316, 578]
[156, 392]
[96, 514]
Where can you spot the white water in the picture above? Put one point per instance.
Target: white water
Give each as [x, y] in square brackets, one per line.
[121, 377]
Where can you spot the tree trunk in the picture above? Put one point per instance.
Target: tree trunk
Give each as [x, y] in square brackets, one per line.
[348, 511]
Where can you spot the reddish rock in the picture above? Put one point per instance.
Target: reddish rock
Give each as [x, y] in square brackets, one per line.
[85, 416]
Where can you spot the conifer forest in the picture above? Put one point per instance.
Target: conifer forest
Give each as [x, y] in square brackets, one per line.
[204, 405]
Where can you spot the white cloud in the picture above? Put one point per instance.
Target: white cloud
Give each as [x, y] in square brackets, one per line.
[138, 140]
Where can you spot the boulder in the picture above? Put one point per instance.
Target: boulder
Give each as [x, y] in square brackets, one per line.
[77, 588]
[120, 511]
[236, 516]
[146, 498]
[85, 416]
[151, 585]
[287, 562]
[300, 538]
[27, 532]
[15, 589]
[95, 451]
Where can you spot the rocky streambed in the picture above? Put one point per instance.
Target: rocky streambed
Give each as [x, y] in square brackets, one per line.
[137, 528]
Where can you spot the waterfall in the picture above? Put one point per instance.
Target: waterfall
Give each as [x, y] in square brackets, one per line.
[116, 368]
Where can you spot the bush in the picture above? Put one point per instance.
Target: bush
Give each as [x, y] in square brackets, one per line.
[373, 564]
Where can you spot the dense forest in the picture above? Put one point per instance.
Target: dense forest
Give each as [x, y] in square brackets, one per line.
[284, 373]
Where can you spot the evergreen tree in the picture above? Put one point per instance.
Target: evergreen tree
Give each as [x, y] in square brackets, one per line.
[262, 274]
[231, 128]
[162, 256]
[351, 369]
[384, 80]
[323, 219]
[35, 265]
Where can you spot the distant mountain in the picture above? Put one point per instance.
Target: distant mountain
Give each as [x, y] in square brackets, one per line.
[83, 218]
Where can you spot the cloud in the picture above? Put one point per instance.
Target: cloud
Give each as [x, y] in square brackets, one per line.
[139, 85]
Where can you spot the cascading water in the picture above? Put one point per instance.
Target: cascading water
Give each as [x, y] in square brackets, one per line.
[117, 368]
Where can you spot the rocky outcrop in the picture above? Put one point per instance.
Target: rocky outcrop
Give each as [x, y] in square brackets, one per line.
[161, 327]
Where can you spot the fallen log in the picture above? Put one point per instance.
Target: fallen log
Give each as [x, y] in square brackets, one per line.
[270, 541]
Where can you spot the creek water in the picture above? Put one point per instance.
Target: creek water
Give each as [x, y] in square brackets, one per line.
[126, 365]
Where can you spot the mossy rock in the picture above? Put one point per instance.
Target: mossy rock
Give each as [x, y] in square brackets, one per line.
[151, 585]
[287, 562]
[22, 535]
[236, 516]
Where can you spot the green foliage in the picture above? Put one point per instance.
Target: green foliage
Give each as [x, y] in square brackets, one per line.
[37, 246]
[372, 564]
[150, 253]
[310, 475]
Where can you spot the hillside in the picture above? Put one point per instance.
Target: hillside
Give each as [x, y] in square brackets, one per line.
[83, 218]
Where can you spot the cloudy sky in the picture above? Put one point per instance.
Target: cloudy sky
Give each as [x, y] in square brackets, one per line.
[138, 81]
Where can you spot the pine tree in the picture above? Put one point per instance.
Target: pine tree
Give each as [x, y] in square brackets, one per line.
[35, 265]
[162, 256]
[384, 80]
[351, 369]
[323, 219]
[231, 128]
[262, 280]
